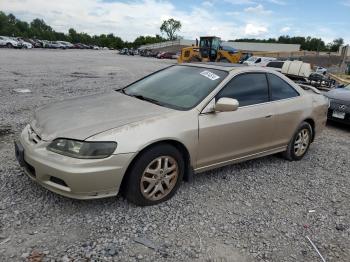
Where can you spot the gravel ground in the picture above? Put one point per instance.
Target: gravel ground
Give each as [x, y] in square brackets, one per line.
[260, 210]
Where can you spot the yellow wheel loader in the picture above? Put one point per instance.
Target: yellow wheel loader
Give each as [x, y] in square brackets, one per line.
[209, 50]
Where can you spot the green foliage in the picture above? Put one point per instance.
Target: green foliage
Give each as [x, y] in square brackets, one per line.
[334, 46]
[169, 27]
[143, 40]
[306, 43]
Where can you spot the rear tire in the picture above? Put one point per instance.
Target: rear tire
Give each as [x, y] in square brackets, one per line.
[300, 143]
[9, 45]
[155, 175]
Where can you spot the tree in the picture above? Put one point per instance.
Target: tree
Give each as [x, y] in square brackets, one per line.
[144, 40]
[334, 46]
[169, 27]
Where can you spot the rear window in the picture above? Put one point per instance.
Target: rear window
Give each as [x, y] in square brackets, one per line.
[280, 89]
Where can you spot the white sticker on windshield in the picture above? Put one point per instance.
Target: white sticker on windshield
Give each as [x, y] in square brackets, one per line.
[209, 75]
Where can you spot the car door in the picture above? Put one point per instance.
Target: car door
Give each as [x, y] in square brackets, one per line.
[289, 107]
[224, 136]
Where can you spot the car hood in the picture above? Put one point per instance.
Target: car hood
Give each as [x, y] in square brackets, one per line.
[80, 118]
[339, 94]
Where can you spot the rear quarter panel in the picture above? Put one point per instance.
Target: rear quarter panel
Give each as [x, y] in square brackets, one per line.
[320, 105]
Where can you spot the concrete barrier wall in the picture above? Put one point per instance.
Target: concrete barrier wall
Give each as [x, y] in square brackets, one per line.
[246, 46]
[264, 47]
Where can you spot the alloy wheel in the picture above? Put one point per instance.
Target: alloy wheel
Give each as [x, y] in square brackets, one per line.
[301, 142]
[159, 178]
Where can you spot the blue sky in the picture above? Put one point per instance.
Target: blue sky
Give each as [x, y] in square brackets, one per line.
[228, 19]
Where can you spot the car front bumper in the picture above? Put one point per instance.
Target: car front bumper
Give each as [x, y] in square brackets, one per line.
[71, 177]
[339, 112]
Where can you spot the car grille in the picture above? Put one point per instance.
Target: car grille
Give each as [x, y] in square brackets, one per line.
[340, 106]
[330, 116]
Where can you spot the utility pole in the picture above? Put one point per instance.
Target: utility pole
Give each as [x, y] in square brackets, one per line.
[343, 57]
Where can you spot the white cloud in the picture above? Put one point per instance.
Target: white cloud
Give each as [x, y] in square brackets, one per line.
[127, 20]
[277, 2]
[240, 2]
[259, 9]
[285, 29]
[255, 30]
[207, 4]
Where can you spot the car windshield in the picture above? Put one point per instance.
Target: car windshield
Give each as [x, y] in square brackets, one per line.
[177, 87]
[252, 59]
[347, 87]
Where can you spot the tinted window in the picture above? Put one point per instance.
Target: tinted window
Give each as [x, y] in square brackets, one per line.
[280, 89]
[275, 64]
[258, 60]
[178, 87]
[248, 89]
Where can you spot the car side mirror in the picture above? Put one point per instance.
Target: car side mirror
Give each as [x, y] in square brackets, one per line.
[226, 104]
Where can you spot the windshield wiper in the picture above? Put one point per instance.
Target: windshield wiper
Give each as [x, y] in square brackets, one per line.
[122, 90]
[141, 97]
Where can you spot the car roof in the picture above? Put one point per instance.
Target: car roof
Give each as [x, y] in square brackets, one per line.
[228, 66]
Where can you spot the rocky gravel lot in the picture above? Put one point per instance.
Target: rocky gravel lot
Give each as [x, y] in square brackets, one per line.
[260, 210]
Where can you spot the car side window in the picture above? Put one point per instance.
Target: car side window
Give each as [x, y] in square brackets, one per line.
[248, 89]
[258, 60]
[280, 89]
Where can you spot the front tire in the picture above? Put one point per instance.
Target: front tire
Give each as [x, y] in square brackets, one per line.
[300, 143]
[155, 175]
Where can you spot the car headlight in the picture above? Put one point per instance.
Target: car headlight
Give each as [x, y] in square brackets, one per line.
[82, 149]
[330, 102]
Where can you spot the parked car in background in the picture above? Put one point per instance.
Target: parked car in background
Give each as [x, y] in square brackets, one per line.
[65, 44]
[244, 57]
[53, 45]
[159, 54]
[78, 46]
[28, 40]
[124, 51]
[258, 60]
[86, 46]
[176, 56]
[145, 138]
[36, 43]
[44, 43]
[321, 70]
[131, 52]
[24, 44]
[154, 53]
[339, 104]
[9, 42]
[166, 55]
[275, 65]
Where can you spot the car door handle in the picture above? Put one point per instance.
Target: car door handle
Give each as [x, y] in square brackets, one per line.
[268, 116]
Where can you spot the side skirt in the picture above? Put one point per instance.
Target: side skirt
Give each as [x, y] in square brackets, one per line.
[241, 159]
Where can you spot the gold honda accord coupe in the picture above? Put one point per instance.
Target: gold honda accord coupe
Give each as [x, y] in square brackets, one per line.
[144, 139]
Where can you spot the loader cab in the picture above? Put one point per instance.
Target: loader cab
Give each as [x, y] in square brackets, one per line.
[209, 47]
